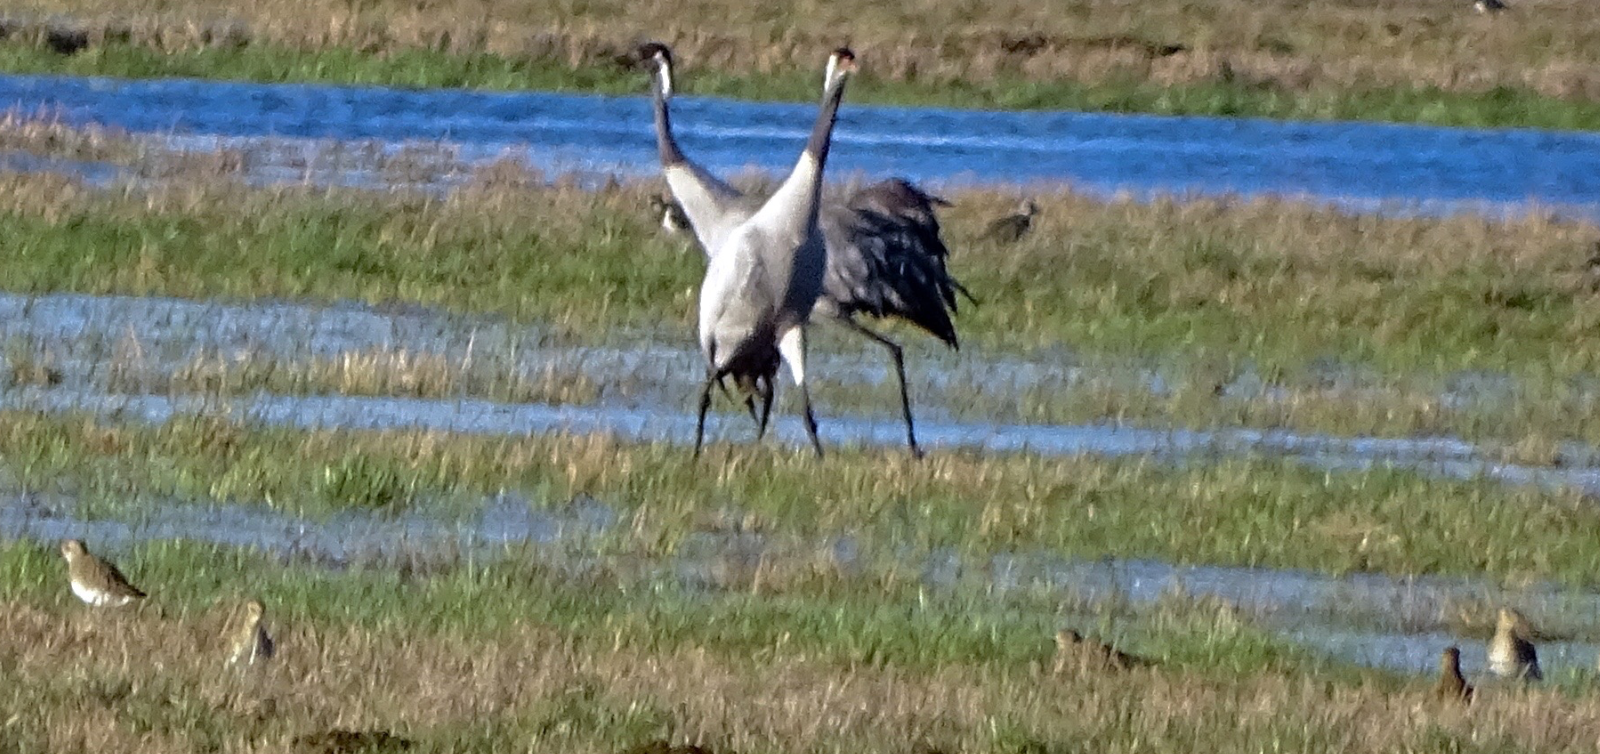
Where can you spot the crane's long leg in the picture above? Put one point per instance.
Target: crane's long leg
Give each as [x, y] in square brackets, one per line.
[705, 405]
[764, 387]
[811, 421]
[896, 353]
[792, 346]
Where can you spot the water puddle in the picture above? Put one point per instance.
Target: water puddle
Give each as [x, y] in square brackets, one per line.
[83, 334]
[1368, 167]
[1370, 619]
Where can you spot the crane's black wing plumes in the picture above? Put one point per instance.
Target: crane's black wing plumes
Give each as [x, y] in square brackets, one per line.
[886, 258]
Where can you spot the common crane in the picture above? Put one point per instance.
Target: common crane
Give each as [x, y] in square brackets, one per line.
[885, 257]
[765, 274]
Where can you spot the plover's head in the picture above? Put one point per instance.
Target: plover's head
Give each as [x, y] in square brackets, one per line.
[1067, 637]
[73, 548]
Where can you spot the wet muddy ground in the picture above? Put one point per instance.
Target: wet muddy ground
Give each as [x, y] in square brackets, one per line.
[645, 384]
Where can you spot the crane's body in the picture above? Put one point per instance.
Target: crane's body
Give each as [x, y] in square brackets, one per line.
[764, 273]
[883, 254]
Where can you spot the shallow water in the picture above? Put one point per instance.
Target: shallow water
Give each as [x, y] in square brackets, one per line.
[1366, 166]
[82, 334]
[1369, 619]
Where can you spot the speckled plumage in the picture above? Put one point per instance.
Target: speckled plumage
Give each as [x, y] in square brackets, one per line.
[1011, 228]
[1074, 651]
[96, 581]
[248, 640]
[1511, 651]
[1452, 686]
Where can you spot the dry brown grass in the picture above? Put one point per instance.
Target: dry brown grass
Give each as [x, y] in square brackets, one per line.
[373, 372]
[138, 681]
[1550, 46]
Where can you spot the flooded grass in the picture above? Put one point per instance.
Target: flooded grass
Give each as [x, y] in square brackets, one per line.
[1382, 320]
[1432, 63]
[1121, 277]
[504, 655]
[1226, 512]
[1378, 318]
[395, 373]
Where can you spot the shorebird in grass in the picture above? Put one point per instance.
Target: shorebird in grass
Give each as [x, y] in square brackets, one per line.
[249, 641]
[1511, 651]
[1452, 686]
[673, 220]
[94, 580]
[1011, 228]
[1075, 651]
[1488, 7]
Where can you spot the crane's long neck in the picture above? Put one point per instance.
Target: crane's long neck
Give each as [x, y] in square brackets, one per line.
[797, 200]
[822, 130]
[666, 145]
[712, 206]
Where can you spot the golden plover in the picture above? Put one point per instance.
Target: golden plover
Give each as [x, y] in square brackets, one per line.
[249, 641]
[94, 580]
[1452, 686]
[1013, 227]
[673, 219]
[1511, 651]
[1072, 649]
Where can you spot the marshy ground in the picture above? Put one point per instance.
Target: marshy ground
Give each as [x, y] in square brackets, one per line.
[534, 589]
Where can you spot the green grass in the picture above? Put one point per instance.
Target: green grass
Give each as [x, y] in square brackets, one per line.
[1501, 107]
[1247, 512]
[1425, 296]
[601, 654]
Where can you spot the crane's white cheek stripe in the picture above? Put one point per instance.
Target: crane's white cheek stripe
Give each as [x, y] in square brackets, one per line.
[666, 81]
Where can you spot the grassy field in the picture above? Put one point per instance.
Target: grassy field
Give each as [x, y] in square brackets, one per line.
[1239, 512]
[504, 655]
[1374, 318]
[1267, 314]
[1431, 61]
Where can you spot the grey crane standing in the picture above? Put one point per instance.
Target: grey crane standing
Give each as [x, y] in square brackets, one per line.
[765, 274]
[885, 257]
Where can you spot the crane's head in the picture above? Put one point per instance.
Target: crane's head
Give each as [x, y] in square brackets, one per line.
[658, 57]
[840, 65]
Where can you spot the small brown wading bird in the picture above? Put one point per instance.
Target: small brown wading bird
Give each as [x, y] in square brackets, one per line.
[1488, 6]
[1452, 686]
[1073, 650]
[248, 639]
[1012, 228]
[96, 581]
[1511, 651]
[672, 218]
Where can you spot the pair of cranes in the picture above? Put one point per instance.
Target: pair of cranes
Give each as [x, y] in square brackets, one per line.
[773, 265]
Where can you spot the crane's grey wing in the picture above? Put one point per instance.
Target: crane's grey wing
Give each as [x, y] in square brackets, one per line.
[886, 259]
